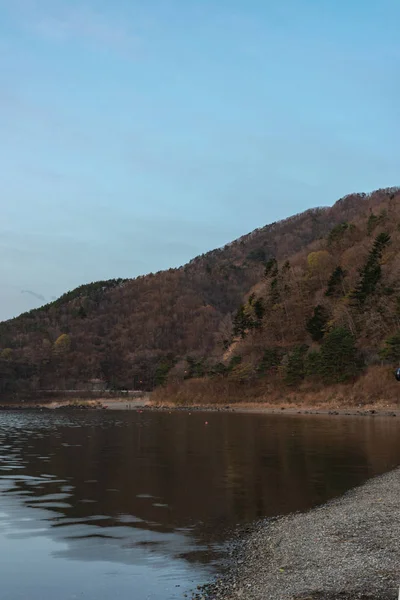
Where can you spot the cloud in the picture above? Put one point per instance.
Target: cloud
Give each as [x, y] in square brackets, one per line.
[34, 294]
[65, 21]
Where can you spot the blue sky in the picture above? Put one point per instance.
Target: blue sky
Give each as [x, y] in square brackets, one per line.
[138, 134]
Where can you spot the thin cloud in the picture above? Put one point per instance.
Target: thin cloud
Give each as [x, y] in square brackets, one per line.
[60, 21]
[34, 294]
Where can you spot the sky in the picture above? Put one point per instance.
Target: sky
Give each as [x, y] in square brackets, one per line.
[135, 135]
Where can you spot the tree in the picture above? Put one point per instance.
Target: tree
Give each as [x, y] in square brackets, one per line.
[62, 345]
[6, 354]
[371, 273]
[337, 232]
[195, 367]
[218, 369]
[271, 360]
[163, 368]
[313, 364]
[259, 311]
[251, 299]
[295, 368]
[335, 283]
[257, 255]
[375, 220]
[339, 360]
[317, 261]
[274, 294]
[317, 323]
[241, 322]
[82, 314]
[234, 362]
[271, 268]
[371, 223]
[391, 351]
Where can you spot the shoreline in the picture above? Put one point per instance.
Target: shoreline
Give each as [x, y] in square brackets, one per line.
[346, 549]
[281, 409]
[144, 403]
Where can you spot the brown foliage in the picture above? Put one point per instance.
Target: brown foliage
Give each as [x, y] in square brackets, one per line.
[124, 332]
[377, 386]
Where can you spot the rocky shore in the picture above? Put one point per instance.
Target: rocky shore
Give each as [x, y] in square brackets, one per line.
[145, 402]
[265, 409]
[348, 549]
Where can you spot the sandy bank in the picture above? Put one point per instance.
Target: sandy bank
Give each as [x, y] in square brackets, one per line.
[108, 403]
[346, 549]
[81, 403]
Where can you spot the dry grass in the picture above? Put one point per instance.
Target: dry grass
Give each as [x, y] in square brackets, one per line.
[377, 387]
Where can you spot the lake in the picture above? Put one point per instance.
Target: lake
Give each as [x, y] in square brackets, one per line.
[97, 505]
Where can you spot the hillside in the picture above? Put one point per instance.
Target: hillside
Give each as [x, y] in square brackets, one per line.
[138, 333]
[324, 317]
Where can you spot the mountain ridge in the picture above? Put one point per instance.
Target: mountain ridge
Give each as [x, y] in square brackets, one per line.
[127, 331]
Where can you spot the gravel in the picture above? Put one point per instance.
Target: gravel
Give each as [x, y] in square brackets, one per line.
[346, 549]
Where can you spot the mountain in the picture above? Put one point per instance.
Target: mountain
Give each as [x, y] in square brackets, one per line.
[137, 333]
[315, 322]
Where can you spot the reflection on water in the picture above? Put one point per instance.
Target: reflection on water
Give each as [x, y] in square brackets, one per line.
[140, 504]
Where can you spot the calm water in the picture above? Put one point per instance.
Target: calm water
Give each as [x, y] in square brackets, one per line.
[120, 504]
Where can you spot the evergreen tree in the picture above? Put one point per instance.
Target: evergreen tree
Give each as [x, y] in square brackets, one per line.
[271, 268]
[375, 220]
[274, 293]
[316, 325]
[241, 322]
[218, 369]
[270, 360]
[195, 367]
[335, 283]
[337, 232]
[251, 299]
[259, 310]
[295, 368]
[339, 360]
[257, 255]
[371, 273]
[372, 223]
[234, 362]
[82, 314]
[391, 351]
[163, 368]
[313, 364]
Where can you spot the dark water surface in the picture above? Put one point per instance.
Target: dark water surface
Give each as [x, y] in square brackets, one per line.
[104, 505]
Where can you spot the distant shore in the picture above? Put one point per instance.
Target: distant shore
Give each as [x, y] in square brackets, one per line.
[78, 403]
[347, 549]
[145, 402]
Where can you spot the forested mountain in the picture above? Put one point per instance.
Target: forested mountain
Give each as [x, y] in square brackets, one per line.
[327, 316]
[254, 294]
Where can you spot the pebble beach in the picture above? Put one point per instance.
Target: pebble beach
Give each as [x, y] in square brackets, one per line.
[347, 549]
